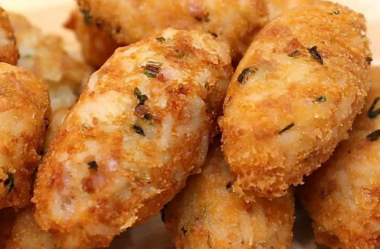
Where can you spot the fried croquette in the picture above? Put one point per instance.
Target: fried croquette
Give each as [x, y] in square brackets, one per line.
[7, 219]
[207, 214]
[97, 45]
[132, 20]
[8, 48]
[142, 124]
[45, 56]
[343, 196]
[294, 96]
[24, 115]
[26, 234]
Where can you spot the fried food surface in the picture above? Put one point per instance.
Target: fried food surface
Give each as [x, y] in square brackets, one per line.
[7, 219]
[142, 124]
[97, 45]
[24, 114]
[8, 48]
[343, 196]
[27, 234]
[130, 21]
[207, 214]
[277, 7]
[294, 96]
[57, 118]
[45, 56]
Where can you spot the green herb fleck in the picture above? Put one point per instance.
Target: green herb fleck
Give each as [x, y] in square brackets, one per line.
[229, 186]
[139, 130]
[87, 17]
[314, 52]
[160, 39]
[374, 136]
[148, 116]
[321, 99]
[369, 60]
[93, 165]
[213, 34]
[10, 182]
[184, 230]
[152, 69]
[244, 74]
[141, 97]
[372, 113]
[286, 128]
[335, 12]
[118, 29]
[295, 53]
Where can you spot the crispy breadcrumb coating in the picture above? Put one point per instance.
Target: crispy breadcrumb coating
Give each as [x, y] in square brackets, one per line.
[343, 197]
[132, 20]
[97, 45]
[8, 48]
[24, 115]
[207, 214]
[294, 96]
[142, 124]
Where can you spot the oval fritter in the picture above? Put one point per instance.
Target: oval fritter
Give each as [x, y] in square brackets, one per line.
[294, 96]
[142, 124]
[8, 48]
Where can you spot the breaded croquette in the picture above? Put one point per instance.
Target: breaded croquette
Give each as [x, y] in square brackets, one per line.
[8, 49]
[132, 20]
[26, 234]
[294, 96]
[141, 126]
[24, 115]
[45, 56]
[207, 214]
[97, 45]
[343, 196]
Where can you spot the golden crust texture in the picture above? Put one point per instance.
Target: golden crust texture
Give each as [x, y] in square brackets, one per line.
[57, 118]
[343, 196]
[8, 48]
[97, 45]
[26, 233]
[277, 7]
[142, 124]
[207, 214]
[45, 56]
[294, 96]
[24, 115]
[130, 21]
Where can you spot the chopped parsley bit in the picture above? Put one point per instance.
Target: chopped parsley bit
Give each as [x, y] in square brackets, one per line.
[295, 53]
[98, 23]
[93, 165]
[243, 76]
[141, 97]
[321, 99]
[372, 113]
[229, 186]
[313, 51]
[335, 12]
[369, 60]
[118, 29]
[152, 69]
[184, 230]
[205, 19]
[148, 116]
[160, 39]
[87, 17]
[213, 34]
[139, 130]
[28, 56]
[10, 182]
[286, 128]
[374, 136]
